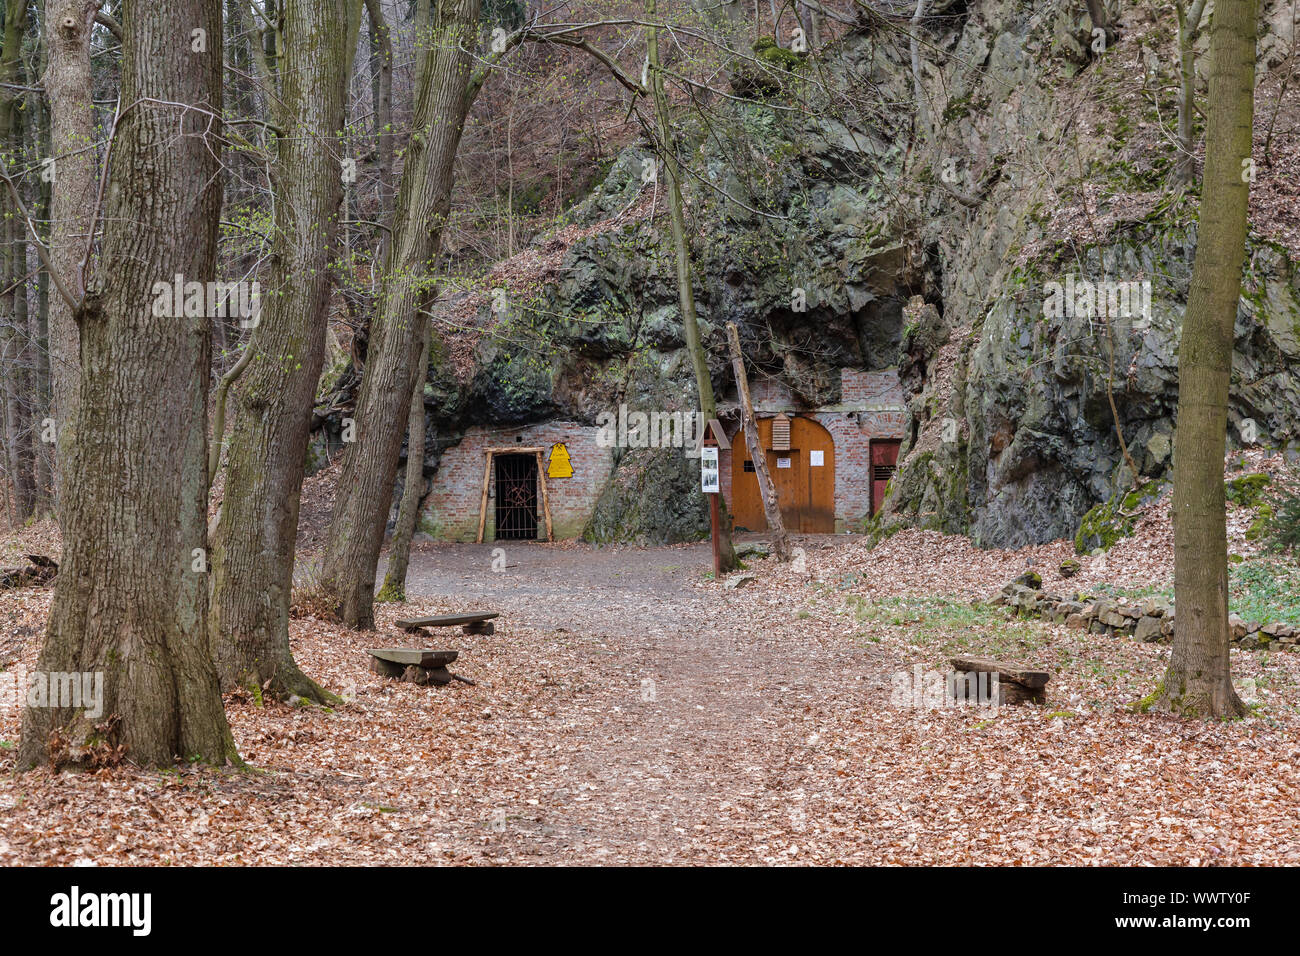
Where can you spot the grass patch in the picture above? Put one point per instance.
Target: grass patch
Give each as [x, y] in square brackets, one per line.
[952, 627]
[1265, 591]
[1260, 589]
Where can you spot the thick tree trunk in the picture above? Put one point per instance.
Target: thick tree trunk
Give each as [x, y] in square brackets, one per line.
[685, 292]
[131, 598]
[67, 84]
[253, 549]
[408, 512]
[370, 464]
[1198, 681]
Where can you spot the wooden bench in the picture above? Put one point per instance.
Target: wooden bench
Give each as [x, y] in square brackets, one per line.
[414, 665]
[475, 622]
[1016, 685]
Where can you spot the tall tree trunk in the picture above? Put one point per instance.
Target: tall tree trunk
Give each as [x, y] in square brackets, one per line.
[408, 512]
[42, 450]
[131, 598]
[381, 66]
[253, 549]
[13, 329]
[25, 379]
[370, 464]
[1189, 30]
[685, 292]
[1198, 681]
[67, 81]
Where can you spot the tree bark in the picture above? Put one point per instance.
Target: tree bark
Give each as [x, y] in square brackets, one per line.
[13, 334]
[1198, 681]
[253, 549]
[131, 598]
[1189, 30]
[408, 512]
[685, 292]
[67, 81]
[381, 66]
[370, 464]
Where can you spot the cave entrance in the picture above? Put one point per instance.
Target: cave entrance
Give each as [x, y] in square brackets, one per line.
[516, 497]
[802, 465]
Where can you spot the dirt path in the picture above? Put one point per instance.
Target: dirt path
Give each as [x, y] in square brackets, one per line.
[698, 727]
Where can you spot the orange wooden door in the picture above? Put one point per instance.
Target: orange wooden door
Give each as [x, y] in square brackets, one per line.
[805, 490]
[746, 503]
[791, 485]
[817, 451]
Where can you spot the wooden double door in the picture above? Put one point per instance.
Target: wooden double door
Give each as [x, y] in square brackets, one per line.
[804, 476]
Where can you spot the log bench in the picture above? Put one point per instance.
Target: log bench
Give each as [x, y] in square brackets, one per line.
[414, 665]
[475, 622]
[1016, 685]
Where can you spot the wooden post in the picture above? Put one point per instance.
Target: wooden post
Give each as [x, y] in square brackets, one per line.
[546, 497]
[717, 543]
[766, 490]
[482, 508]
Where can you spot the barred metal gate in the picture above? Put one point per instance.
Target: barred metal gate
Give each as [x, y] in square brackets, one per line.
[516, 497]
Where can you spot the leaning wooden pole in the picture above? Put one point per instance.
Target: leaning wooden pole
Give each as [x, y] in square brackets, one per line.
[766, 489]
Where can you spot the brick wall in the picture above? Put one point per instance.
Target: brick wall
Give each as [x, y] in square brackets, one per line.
[871, 407]
[452, 508]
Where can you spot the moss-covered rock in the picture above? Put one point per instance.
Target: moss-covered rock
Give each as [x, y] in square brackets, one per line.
[1112, 520]
[653, 497]
[1248, 490]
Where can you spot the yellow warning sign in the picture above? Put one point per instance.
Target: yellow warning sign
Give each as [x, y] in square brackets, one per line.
[560, 466]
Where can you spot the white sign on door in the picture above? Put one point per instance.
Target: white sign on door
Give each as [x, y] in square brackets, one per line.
[783, 463]
[816, 459]
[709, 470]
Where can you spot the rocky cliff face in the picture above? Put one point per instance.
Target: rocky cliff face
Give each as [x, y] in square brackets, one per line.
[849, 233]
[1016, 408]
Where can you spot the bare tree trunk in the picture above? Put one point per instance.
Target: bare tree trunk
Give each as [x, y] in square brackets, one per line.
[25, 379]
[1189, 30]
[1198, 681]
[253, 549]
[13, 327]
[131, 598]
[1097, 14]
[370, 464]
[67, 82]
[408, 512]
[767, 490]
[381, 65]
[685, 293]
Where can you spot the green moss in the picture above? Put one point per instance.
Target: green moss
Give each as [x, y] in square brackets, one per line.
[770, 52]
[1101, 527]
[1112, 520]
[1246, 490]
[1149, 701]
[391, 592]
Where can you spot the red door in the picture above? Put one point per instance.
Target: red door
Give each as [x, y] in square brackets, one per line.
[884, 461]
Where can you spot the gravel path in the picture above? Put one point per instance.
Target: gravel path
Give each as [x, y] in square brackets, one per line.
[696, 733]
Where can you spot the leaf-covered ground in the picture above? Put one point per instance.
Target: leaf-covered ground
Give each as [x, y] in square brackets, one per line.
[629, 709]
